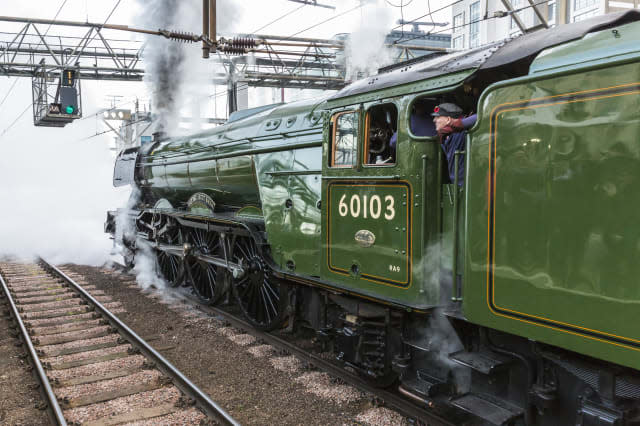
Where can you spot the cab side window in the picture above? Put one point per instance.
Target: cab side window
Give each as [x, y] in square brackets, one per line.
[420, 120]
[381, 135]
[344, 139]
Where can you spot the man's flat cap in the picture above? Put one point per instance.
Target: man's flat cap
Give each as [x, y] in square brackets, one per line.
[447, 110]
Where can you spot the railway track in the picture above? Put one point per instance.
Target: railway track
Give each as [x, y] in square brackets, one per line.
[93, 369]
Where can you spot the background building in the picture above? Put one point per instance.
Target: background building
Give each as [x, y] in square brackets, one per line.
[477, 22]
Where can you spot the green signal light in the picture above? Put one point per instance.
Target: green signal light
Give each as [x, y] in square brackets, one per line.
[69, 109]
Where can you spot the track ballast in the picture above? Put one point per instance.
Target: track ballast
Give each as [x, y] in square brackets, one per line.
[94, 369]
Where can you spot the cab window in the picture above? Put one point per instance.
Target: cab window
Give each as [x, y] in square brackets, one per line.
[381, 135]
[420, 120]
[345, 139]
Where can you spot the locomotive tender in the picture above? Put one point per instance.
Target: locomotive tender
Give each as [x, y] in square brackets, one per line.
[509, 298]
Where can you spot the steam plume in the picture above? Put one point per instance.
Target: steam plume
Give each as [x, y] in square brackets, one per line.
[365, 50]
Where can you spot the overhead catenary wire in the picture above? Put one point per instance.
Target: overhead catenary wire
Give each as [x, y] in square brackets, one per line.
[326, 20]
[402, 4]
[428, 14]
[9, 91]
[487, 18]
[109, 130]
[278, 19]
[56, 16]
[32, 102]
[16, 120]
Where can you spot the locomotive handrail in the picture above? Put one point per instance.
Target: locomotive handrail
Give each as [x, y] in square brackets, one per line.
[294, 172]
[457, 293]
[361, 177]
[240, 153]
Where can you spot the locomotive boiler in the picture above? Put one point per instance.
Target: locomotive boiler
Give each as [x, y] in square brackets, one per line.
[509, 297]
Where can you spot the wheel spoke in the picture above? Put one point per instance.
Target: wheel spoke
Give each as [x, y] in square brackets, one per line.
[204, 275]
[265, 305]
[268, 298]
[256, 293]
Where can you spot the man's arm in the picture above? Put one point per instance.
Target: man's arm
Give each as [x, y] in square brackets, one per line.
[465, 123]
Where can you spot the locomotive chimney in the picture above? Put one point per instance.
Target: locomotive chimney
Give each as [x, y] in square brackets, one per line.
[159, 136]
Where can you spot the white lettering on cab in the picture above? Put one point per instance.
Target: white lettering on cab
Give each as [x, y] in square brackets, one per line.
[368, 207]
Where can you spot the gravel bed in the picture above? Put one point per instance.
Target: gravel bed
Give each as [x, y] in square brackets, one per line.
[79, 343]
[80, 335]
[123, 405]
[112, 305]
[227, 331]
[381, 416]
[261, 351]
[78, 279]
[133, 361]
[288, 364]
[144, 376]
[83, 355]
[62, 327]
[320, 385]
[191, 416]
[242, 339]
[78, 317]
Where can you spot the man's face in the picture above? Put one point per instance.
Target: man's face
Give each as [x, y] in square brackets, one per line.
[441, 122]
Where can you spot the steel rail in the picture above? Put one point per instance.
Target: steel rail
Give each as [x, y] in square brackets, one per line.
[399, 403]
[42, 376]
[204, 402]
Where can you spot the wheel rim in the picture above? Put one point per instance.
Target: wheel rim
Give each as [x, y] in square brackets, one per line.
[202, 275]
[170, 266]
[256, 292]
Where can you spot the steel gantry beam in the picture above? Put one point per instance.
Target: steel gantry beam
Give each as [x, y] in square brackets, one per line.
[257, 59]
[22, 52]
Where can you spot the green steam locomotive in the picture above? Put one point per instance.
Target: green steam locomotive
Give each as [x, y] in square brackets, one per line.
[507, 296]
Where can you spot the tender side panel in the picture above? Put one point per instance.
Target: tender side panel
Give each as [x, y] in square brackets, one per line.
[553, 242]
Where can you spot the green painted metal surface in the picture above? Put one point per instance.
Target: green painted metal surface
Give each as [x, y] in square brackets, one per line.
[266, 165]
[403, 262]
[552, 237]
[594, 48]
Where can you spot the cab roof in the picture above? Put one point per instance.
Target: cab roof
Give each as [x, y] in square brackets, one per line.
[521, 49]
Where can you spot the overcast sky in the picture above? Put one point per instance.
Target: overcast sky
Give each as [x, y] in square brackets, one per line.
[55, 184]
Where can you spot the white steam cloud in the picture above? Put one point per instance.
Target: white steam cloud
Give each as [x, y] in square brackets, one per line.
[438, 336]
[365, 49]
[55, 188]
[177, 75]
